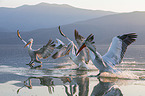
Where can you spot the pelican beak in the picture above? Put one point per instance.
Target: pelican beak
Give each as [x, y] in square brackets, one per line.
[83, 46]
[68, 80]
[27, 44]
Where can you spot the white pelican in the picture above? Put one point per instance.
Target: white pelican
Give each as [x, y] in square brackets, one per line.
[82, 59]
[114, 55]
[43, 52]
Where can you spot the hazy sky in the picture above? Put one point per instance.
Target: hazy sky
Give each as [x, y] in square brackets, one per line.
[107, 5]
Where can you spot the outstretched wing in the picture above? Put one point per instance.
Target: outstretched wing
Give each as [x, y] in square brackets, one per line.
[18, 34]
[62, 48]
[79, 39]
[63, 34]
[85, 52]
[60, 53]
[67, 39]
[118, 48]
[46, 50]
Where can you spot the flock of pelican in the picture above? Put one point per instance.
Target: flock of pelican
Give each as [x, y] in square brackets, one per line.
[85, 51]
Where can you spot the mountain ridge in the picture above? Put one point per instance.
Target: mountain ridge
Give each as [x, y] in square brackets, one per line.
[44, 15]
[104, 29]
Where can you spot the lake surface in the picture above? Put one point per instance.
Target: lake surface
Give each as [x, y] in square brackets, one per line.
[59, 77]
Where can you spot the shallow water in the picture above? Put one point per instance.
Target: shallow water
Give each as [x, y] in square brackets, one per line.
[59, 77]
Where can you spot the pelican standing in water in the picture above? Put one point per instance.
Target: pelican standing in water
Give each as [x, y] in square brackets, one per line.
[71, 49]
[43, 52]
[114, 55]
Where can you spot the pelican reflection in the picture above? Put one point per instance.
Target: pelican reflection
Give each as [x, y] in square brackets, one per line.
[72, 85]
[45, 81]
[105, 88]
[76, 85]
[79, 83]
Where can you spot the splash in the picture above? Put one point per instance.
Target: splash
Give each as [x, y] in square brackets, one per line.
[127, 75]
[129, 62]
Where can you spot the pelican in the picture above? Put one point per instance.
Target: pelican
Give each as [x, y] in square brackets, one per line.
[114, 55]
[105, 88]
[82, 59]
[40, 53]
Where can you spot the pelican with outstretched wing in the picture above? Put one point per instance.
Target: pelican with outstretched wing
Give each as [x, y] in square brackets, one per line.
[40, 53]
[71, 49]
[114, 55]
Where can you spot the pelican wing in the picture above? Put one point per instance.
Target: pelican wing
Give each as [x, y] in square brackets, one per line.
[79, 39]
[46, 50]
[63, 34]
[85, 52]
[118, 48]
[62, 48]
[68, 40]
[60, 53]
[59, 44]
[18, 34]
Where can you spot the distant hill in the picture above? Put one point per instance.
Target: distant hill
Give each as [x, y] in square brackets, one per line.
[43, 15]
[104, 29]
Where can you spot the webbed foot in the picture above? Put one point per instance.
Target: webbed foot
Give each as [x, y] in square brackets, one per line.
[36, 67]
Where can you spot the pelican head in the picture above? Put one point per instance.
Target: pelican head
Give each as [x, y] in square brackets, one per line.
[30, 41]
[88, 42]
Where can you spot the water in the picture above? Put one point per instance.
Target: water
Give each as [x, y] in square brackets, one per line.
[59, 77]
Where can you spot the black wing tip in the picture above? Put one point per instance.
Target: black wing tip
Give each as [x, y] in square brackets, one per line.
[130, 35]
[61, 32]
[78, 36]
[58, 27]
[50, 43]
[128, 38]
[54, 56]
[90, 38]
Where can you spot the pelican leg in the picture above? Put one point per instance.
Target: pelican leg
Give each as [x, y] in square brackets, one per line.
[74, 89]
[98, 74]
[28, 84]
[31, 63]
[25, 85]
[66, 90]
[95, 75]
[38, 62]
[36, 67]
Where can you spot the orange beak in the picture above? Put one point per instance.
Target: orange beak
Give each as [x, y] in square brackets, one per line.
[83, 46]
[27, 44]
[68, 80]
